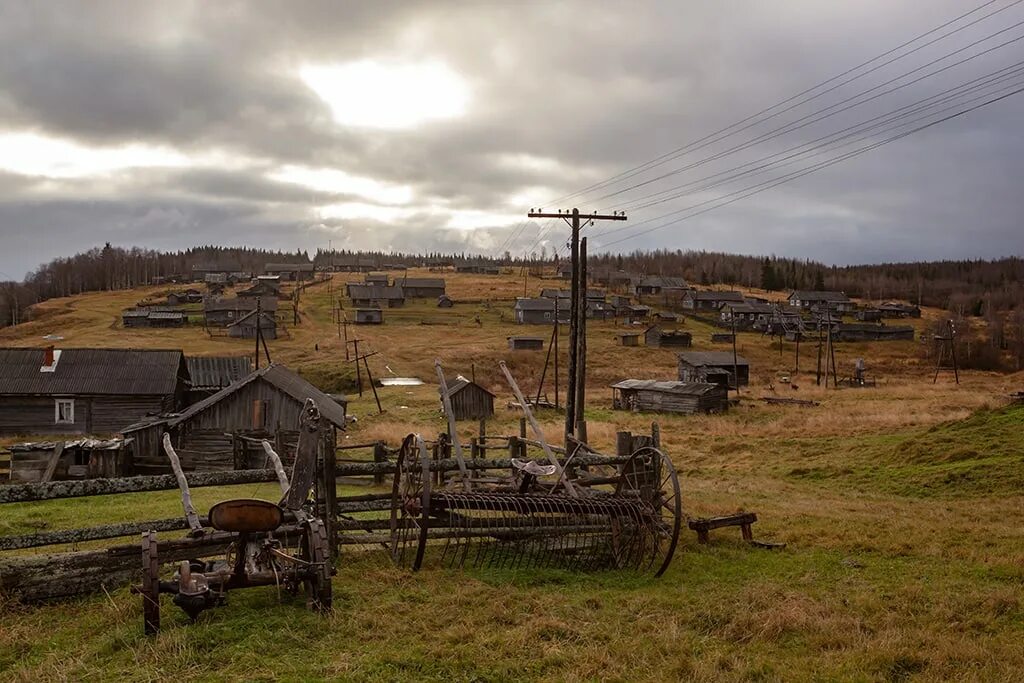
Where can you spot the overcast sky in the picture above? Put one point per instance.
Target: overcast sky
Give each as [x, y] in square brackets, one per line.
[436, 125]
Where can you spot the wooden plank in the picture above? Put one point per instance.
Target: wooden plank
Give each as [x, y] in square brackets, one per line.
[51, 465]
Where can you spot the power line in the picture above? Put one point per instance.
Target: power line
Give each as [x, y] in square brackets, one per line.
[685, 148]
[767, 185]
[880, 121]
[822, 115]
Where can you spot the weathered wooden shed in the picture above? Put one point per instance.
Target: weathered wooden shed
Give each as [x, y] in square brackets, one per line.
[525, 343]
[369, 316]
[381, 279]
[715, 367]
[659, 338]
[629, 338]
[246, 326]
[87, 391]
[640, 395]
[44, 461]
[469, 400]
[223, 431]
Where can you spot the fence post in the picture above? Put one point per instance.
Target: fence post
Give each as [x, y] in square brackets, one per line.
[623, 443]
[379, 455]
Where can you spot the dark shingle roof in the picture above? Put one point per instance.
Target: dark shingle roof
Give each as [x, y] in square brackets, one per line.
[716, 358]
[282, 378]
[267, 303]
[717, 296]
[122, 372]
[217, 372]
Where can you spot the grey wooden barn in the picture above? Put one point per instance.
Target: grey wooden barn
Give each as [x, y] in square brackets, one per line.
[376, 296]
[223, 431]
[659, 338]
[525, 343]
[423, 287]
[469, 400]
[369, 316]
[715, 367]
[541, 311]
[246, 326]
[87, 391]
[639, 395]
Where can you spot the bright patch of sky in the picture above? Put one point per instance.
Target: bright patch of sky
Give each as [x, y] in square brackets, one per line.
[374, 94]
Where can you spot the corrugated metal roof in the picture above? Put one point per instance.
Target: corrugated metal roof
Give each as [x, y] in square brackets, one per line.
[282, 378]
[217, 372]
[680, 388]
[717, 358]
[123, 372]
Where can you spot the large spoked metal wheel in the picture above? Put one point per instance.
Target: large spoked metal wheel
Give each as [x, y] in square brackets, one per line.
[410, 503]
[314, 548]
[650, 476]
[150, 590]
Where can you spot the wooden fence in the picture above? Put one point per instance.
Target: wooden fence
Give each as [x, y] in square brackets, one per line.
[53, 575]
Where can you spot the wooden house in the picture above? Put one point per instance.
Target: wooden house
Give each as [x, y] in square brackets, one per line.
[599, 309]
[381, 279]
[423, 287]
[351, 263]
[525, 343]
[213, 272]
[629, 338]
[291, 272]
[262, 288]
[376, 296]
[555, 293]
[667, 317]
[834, 301]
[224, 312]
[747, 316]
[708, 301]
[188, 296]
[87, 391]
[619, 303]
[210, 374]
[152, 317]
[636, 313]
[722, 337]
[640, 395]
[715, 367]
[659, 284]
[563, 271]
[223, 431]
[656, 337]
[541, 311]
[369, 316]
[469, 400]
[62, 460]
[246, 326]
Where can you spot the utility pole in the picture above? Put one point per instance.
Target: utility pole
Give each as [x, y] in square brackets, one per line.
[572, 218]
[581, 355]
[735, 362]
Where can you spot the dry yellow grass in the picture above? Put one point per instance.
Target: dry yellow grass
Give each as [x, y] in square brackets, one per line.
[900, 504]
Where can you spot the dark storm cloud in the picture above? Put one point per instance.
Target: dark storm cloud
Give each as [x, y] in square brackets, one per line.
[562, 95]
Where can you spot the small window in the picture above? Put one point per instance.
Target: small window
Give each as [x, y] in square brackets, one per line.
[64, 411]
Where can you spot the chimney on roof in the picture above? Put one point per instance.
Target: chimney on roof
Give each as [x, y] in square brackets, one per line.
[48, 356]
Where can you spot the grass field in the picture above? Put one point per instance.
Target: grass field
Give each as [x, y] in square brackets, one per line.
[902, 507]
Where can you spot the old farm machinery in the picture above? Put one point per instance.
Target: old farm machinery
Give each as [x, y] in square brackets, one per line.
[284, 544]
[583, 512]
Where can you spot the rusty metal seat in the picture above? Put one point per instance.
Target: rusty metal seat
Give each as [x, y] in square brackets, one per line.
[246, 515]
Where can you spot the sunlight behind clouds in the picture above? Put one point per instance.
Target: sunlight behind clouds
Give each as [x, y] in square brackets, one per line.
[391, 96]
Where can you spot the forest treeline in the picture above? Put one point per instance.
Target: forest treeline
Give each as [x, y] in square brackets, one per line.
[987, 296]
